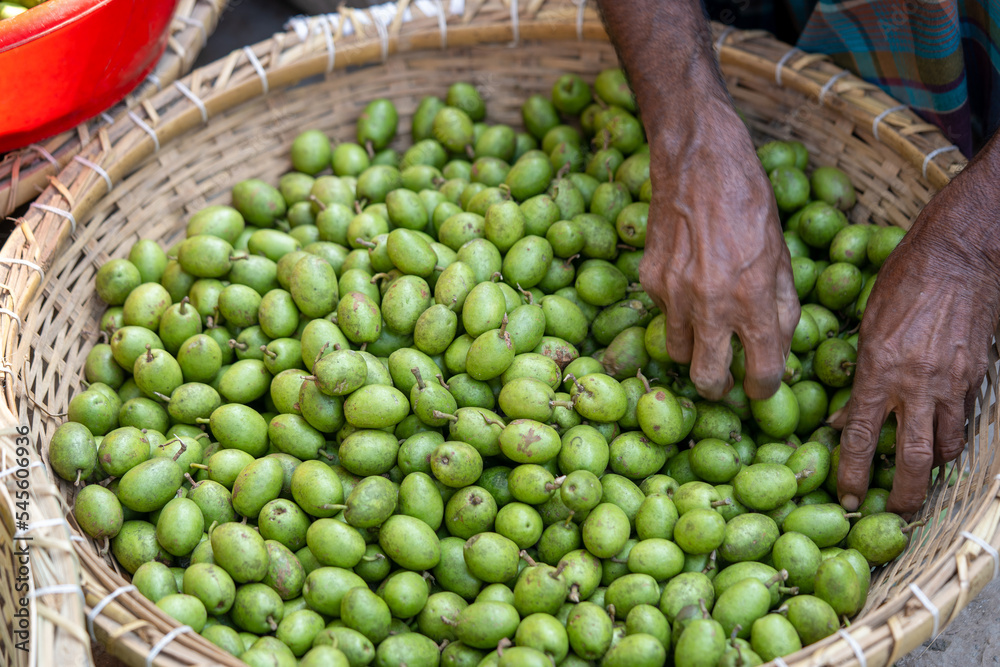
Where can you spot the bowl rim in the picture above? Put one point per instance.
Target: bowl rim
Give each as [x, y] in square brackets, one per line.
[45, 18]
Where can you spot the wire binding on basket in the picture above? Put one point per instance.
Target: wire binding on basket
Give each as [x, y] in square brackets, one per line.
[106, 117]
[186, 92]
[383, 35]
[331, 49]
[781, 63]
[722, 37]
[879, 118]
[155, 80]
[166, 639]
[988, 548]
[147, 129]
[780, 662]
[34, 464]
[828, 86]
[99, 607]
[96, 167]
[252, 57]
[20, 324]
[933, 154]
[442, 23]
[25, 262]
[44, 523]
[57, 211]
[514, 23]
[44, 153]
[187, 20]
[56, 589]
[581, 6]
[853, 643]
[930, 607]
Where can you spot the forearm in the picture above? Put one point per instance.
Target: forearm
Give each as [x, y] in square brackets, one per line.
[666, 50]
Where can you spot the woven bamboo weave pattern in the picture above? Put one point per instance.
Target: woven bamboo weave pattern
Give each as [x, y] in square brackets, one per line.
[183, 163]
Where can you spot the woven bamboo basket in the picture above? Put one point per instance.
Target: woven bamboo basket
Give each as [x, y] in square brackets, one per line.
[24, 173]
[184, 152]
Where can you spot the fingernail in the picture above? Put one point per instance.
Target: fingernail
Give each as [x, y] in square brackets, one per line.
[850, 502]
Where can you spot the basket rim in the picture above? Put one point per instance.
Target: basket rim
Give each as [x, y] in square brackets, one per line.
[283, 60]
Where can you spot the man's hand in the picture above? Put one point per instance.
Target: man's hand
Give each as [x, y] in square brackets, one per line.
[924, 339]
[715, 259]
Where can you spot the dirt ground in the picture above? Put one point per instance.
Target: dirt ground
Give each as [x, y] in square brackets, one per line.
[971, 641]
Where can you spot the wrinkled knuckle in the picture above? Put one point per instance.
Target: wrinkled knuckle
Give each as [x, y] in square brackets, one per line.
[857, 436]
[950, 448]
[918, 454]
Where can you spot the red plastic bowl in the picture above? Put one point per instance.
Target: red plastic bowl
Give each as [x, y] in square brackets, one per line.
[65, 61]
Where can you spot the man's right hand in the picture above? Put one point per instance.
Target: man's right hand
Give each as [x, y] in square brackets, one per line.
[715, 259]
[716, 262]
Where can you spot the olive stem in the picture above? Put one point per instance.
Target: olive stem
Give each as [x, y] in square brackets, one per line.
[365, 243]
[194, 484]
[561, 404]
[783, 609]
[524, 554]
[785, 590]
[316, 200]
[805, 474]
[372, 558]
[329, 506]
[780, 577]
[270, 353]
[909, 527]
[325, 454]
[611, 612]
[735, 633]
[710, 565]
[162, 397]
[79, 474]
[503, 324]
[448, 621]
[704, 609]
[437, 414]
[634, 287]
[559, 570]
[569, 261]
[202, 420]
[370, 148]
[574, 593]
[321, 351]
[491, 422]
[721, 503]
[183, 448]
[440, 379]
[420, 380]
[377, 277]
[502, 644]
[555, 484]
[496, 277]
[237, 345]
[642, 378]
[184, 304]
[853, 515]
[527, 294]
[271, 624]
[563, 170]
[199, 466]
[149, 352]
